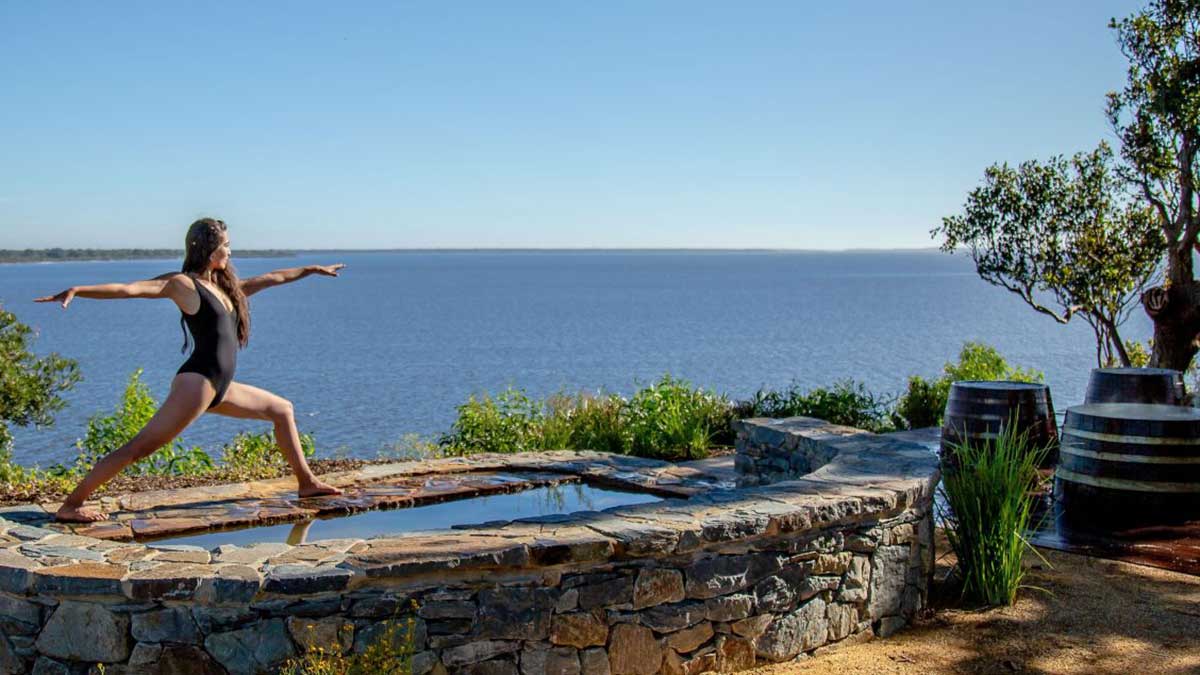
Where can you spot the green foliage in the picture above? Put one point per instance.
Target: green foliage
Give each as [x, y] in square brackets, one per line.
[389, 654]
[1062, 233]
[989, 501]
[108, 432]
[256, 455]
[847, 402]
[671, 420]
[924, 402]
[666, 419]
[30, 389]
[410, 446]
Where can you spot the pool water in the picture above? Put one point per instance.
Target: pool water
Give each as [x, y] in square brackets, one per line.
[539, 501]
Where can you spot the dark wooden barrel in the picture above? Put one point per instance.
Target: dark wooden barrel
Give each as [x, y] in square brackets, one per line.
[1135, 385]
[1129, 463]
[976, 410]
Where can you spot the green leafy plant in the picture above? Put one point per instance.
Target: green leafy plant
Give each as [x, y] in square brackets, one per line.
[509, 422]
[31, 391]
[989, 505]
[671, 420]
[924, 402]
[256, 455]
[108, 432]
[847, 402]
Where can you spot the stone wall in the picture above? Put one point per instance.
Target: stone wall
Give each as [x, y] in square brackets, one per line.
[837, 546]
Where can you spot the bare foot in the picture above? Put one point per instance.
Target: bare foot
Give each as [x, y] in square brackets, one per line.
[318, 489]
[79, 514]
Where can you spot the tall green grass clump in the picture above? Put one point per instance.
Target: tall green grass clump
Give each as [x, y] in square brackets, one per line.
[671, 420]
[924, 401]
[989, 505]
[256, 455]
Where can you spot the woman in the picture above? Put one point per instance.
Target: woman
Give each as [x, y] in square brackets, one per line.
[215, 311]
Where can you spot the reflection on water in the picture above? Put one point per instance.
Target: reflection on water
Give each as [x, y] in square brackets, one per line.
[540, 501]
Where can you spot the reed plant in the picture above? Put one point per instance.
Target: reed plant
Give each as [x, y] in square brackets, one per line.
[988, 492]
[847, 402]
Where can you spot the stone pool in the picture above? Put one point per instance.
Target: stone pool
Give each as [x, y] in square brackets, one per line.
[821, 534]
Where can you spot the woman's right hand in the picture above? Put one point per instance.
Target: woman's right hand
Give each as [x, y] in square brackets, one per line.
[63, 298]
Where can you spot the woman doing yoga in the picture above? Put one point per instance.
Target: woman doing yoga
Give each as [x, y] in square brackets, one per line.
[213, 302]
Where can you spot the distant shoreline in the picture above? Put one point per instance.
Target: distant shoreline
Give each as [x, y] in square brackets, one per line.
[99, 255]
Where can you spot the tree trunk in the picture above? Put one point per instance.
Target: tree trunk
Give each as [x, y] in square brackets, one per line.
[1175, 311]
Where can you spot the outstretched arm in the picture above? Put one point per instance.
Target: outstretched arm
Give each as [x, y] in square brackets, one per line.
[278, 277]
[165, 286]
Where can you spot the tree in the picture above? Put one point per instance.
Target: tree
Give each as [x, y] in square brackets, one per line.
[30, 387]
[1063, 233]
[1157, 118]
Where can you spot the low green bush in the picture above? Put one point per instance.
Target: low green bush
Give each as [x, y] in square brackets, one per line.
[671, 420]
[847, 402]
[108, 432]
[989, 505]
[255, 455]
[924, 402]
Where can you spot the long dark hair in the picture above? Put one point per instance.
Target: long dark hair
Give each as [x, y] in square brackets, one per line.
[203, 237]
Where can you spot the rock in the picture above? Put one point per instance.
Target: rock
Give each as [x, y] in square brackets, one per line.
[255, 648]
[726, 574]
[887, 626]
[377, 607]
[729, 607]
[16, 572]
[832, 563]
[252, 554]
[213, 619]
[10, 663]
[657, 586]
[456, 609]
[594, 662]
[86, 578]
[18, 617]
[333, 634]
[171, 659]
[812, 586]
[556, 661]
[231, 584]
[633, 650]
[568, 601]
[889, 567]
[494, 667]
[690, 639]
[605, 594]
[856, 580]
[107, 634]
[734, 654]
[579, 629]
[396, 631]
[424, 662]
[301, 579]
[774, 594]
[474, 652]
[515, 613]
[752, 627]
[171, 624]
[796, 632]
[166, 581]
[48, 666]
[669, 618]
[842, 619]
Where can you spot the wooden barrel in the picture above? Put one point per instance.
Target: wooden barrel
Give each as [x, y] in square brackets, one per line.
[1129, 463]
[976, 410]
[1135, 385]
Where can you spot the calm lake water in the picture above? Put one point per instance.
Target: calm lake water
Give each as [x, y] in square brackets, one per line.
[401, 338]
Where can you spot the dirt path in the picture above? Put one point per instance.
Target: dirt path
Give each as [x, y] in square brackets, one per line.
[1100, 617]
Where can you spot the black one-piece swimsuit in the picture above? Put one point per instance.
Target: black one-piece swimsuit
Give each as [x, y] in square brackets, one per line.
[214, 331]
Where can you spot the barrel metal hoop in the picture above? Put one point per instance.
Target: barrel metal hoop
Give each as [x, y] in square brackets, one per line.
[1117, 457]
[1128, 485]
[1135, 440]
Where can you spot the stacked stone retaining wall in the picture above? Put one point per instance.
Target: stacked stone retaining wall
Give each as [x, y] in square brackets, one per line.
[834, 546]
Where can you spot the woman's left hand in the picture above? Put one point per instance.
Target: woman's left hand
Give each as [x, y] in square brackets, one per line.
[328, 270]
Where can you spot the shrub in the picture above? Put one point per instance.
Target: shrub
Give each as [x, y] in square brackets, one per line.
[670, 420]
[597, 424]
[924, 402]
[389, 654]
[30, 391]
[106, 433]
[510, 422]
[255, 455]
[989, 502]
[847, 402]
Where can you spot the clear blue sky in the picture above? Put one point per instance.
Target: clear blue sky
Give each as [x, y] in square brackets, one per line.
[510, 124]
